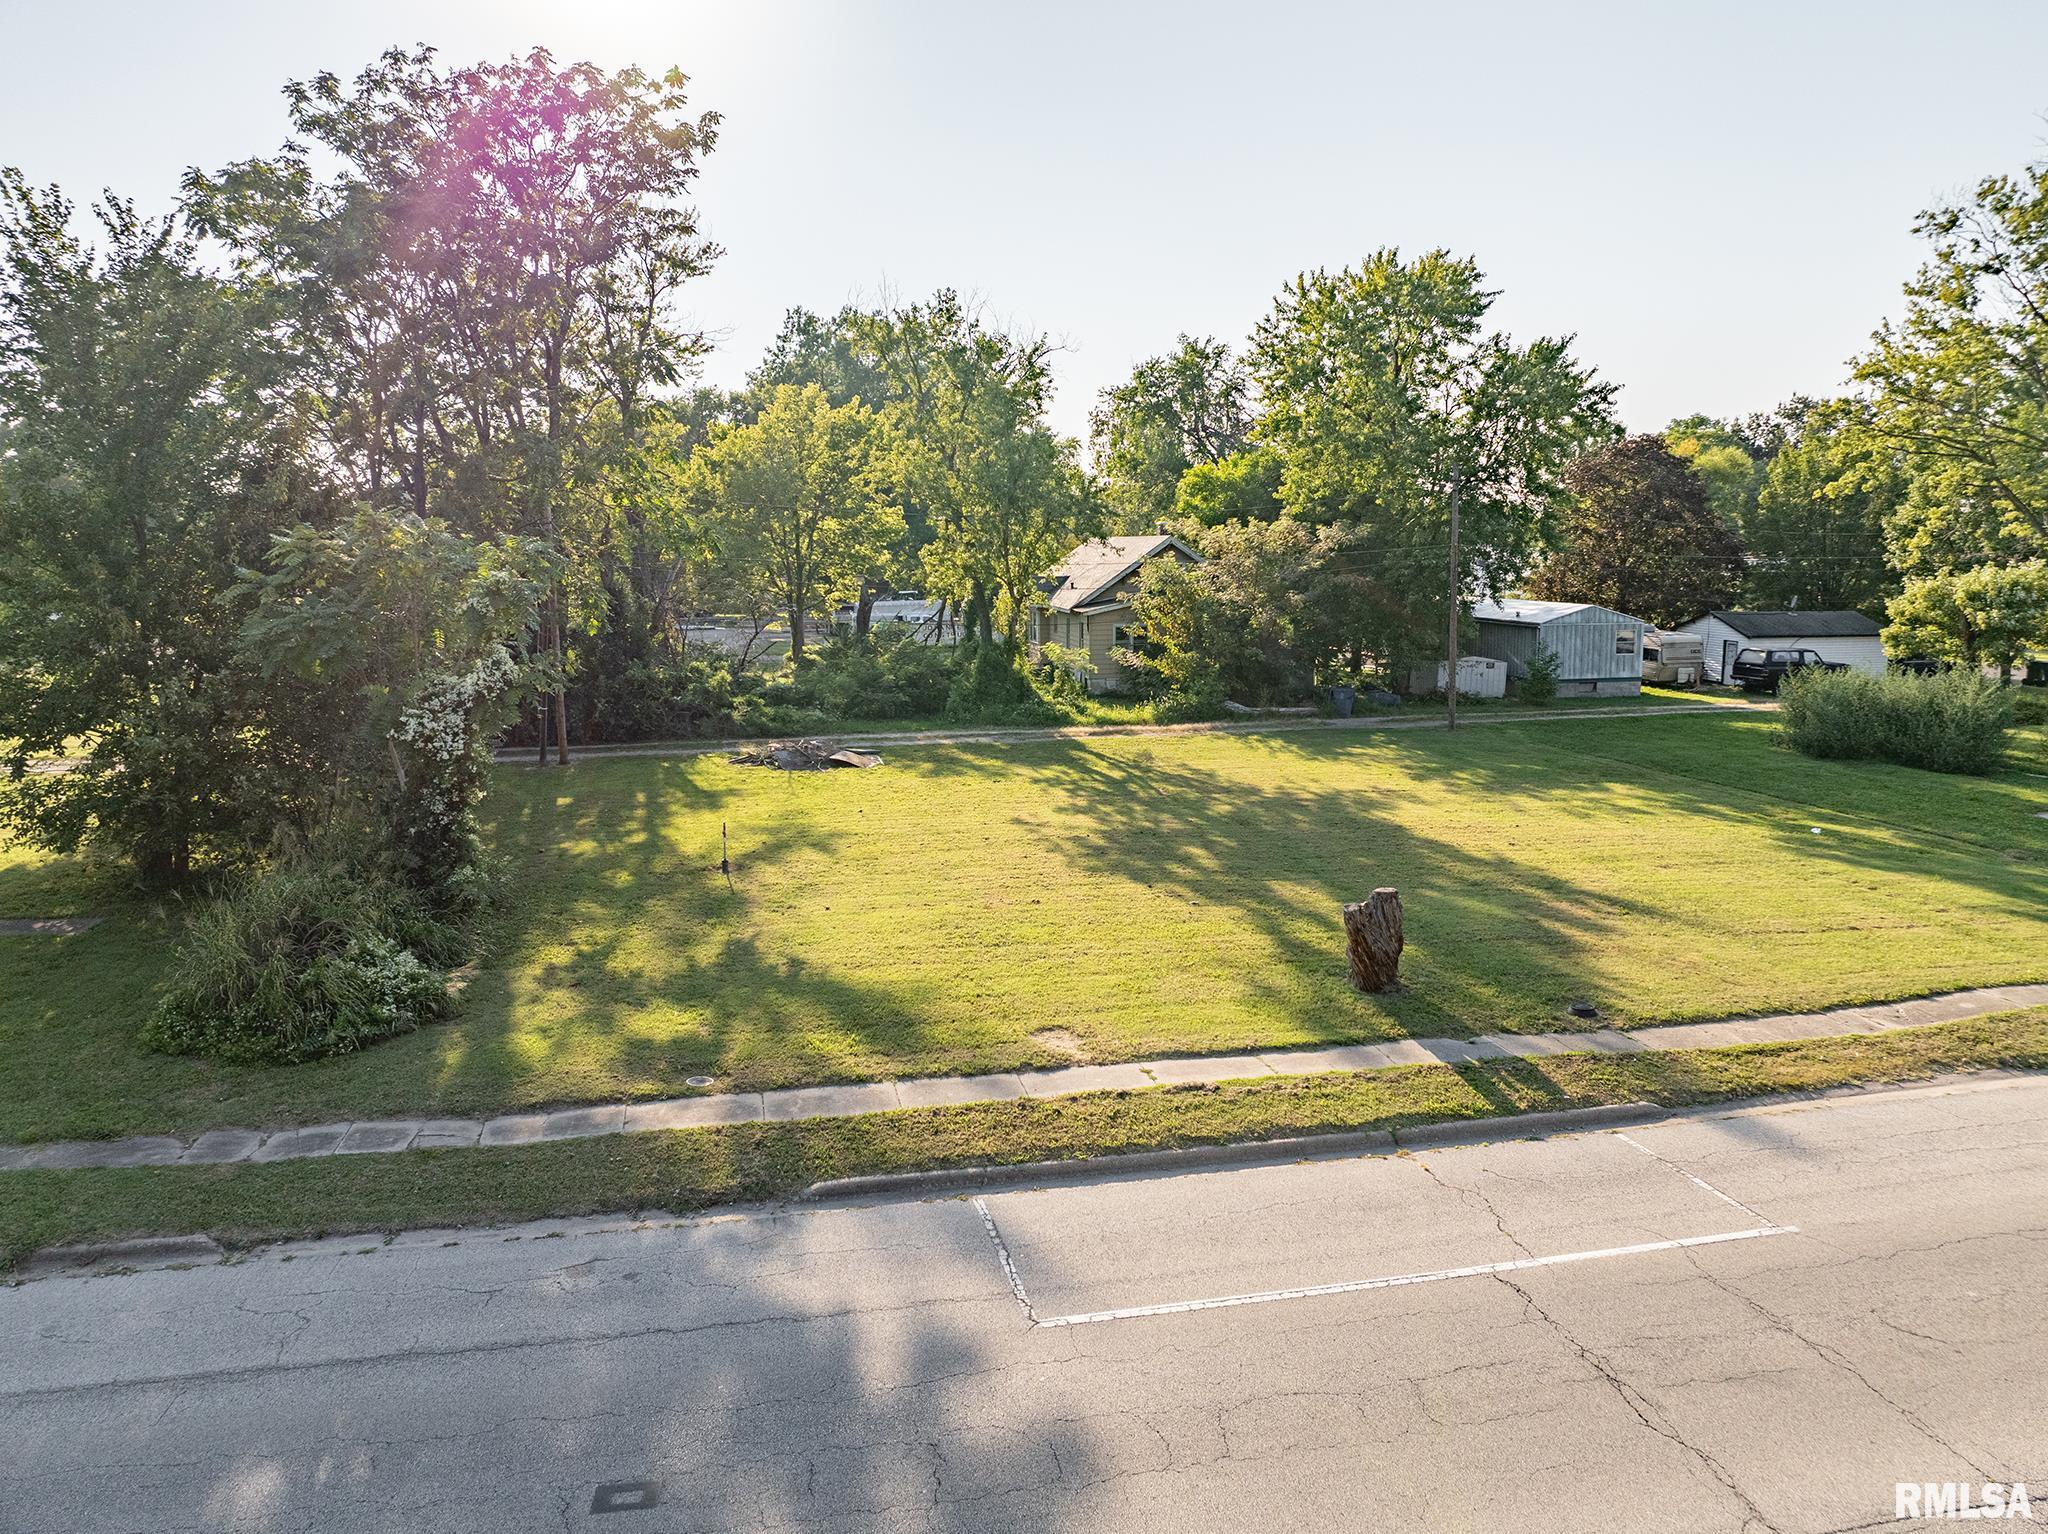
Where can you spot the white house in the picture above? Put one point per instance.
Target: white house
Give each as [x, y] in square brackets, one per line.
[1087, 602]
[1850, 638]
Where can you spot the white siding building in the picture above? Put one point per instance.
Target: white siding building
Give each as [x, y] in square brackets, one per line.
[1598, 650]
[1850, 638]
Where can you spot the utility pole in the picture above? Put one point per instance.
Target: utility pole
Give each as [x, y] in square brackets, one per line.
[1451, 623]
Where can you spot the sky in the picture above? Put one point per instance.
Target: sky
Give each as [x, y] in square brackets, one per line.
[1717, 201]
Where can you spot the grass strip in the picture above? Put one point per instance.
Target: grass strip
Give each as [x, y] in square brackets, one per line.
[684, 1170]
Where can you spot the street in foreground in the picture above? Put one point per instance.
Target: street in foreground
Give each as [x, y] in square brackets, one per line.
[1759, 1320]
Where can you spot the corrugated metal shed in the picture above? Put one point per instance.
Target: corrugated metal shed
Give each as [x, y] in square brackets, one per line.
[1599, 650]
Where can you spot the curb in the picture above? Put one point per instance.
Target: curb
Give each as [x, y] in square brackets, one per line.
[1529, 1126]
[1197, 1158]
[143, 1251]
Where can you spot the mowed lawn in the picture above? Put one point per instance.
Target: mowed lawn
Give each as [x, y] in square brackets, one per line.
[966, 909]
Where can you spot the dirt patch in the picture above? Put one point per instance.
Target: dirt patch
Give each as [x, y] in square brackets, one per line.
[1061, 1042]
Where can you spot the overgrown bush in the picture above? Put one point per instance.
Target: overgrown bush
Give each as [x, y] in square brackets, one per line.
[2029, 705]
[308, 959]
[1061, 675]
[702, 694]
[991, 686]
[890, 674]
[1954, 721]
[1539, 684]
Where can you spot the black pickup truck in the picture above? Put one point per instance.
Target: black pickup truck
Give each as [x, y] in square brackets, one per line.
[1764, 670]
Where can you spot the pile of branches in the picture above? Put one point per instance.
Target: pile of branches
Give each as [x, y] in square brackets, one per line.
[803, 756]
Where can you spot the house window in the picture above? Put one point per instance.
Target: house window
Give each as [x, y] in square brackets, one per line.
[1624, 641]
[1120, 638]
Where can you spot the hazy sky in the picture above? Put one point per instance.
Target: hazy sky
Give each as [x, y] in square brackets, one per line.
[1716, 199]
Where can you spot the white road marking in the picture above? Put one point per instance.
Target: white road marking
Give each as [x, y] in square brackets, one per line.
[1697, 1182]
[1359, 1286]
[1763, 1227]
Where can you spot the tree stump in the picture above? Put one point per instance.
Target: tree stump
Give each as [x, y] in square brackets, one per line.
[1372, 933]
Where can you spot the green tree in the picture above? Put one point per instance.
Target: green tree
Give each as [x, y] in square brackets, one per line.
[1387, 399]
[1959, 384]
[486, 282]
[791, 497]
[1640, 537]
[1816, 533]
[148, 454]
[401, 634]
[1988, 615]
[1730, 457]
[1244, 486]
[1189, 407]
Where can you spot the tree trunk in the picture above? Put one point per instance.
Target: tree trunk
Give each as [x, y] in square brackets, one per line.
[1372, 933]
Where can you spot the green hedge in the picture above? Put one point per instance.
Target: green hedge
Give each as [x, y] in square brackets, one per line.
[1951, 722]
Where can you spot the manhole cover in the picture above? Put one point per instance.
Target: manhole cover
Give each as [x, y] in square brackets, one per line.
[625, 1496]
[697, 1081]
[1583, 1009]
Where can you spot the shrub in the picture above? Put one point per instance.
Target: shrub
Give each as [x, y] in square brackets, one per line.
[2029, 705]
[306, 960]
[991, 686]
[1540, 684]
[668, 700]
[891, 674]
[1951, 722]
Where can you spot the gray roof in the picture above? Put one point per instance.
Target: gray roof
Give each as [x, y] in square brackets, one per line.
[1084, 575]
[1799, 625]
[1534, 614]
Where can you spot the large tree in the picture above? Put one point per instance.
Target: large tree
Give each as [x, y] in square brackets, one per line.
[1640, 536]
[1815, 535]
[1959, 383]
[1189, 407]
[148, 455]
[1988, 615]
[1389, 401]
[791, 496]
[484, 263]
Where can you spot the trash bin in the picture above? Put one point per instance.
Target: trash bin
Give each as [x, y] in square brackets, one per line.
[1341, 701]
[2037, 673]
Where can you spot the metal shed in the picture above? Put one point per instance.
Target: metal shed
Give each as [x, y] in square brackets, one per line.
[1598, 649]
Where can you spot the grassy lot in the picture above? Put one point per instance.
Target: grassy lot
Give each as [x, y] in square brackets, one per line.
[980, 907]
[683, 1170]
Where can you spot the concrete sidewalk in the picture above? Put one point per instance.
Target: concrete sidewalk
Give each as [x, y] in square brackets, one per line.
[388, 1136]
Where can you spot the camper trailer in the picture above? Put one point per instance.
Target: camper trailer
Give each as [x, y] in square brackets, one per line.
[1673, 660]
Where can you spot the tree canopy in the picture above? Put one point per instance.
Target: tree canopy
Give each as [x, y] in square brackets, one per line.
[1187, 409]
[1640, 536]
[1386, 398]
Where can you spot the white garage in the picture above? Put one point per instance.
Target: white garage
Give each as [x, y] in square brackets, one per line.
[1851, 638]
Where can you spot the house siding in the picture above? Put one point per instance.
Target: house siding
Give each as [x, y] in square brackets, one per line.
[1583, 642]
[1860, 652]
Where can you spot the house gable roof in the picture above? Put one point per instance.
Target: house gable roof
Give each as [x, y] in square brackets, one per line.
[1083, 576]
[1798, 625]
[1523, 610]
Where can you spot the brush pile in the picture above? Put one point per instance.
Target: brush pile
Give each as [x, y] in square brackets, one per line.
[803, 756]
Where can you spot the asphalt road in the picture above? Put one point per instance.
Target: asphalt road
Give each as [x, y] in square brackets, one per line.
[1756, 1321]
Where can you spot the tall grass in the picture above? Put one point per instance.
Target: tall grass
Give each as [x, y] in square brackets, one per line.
[1954, 721]
[307, 959]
